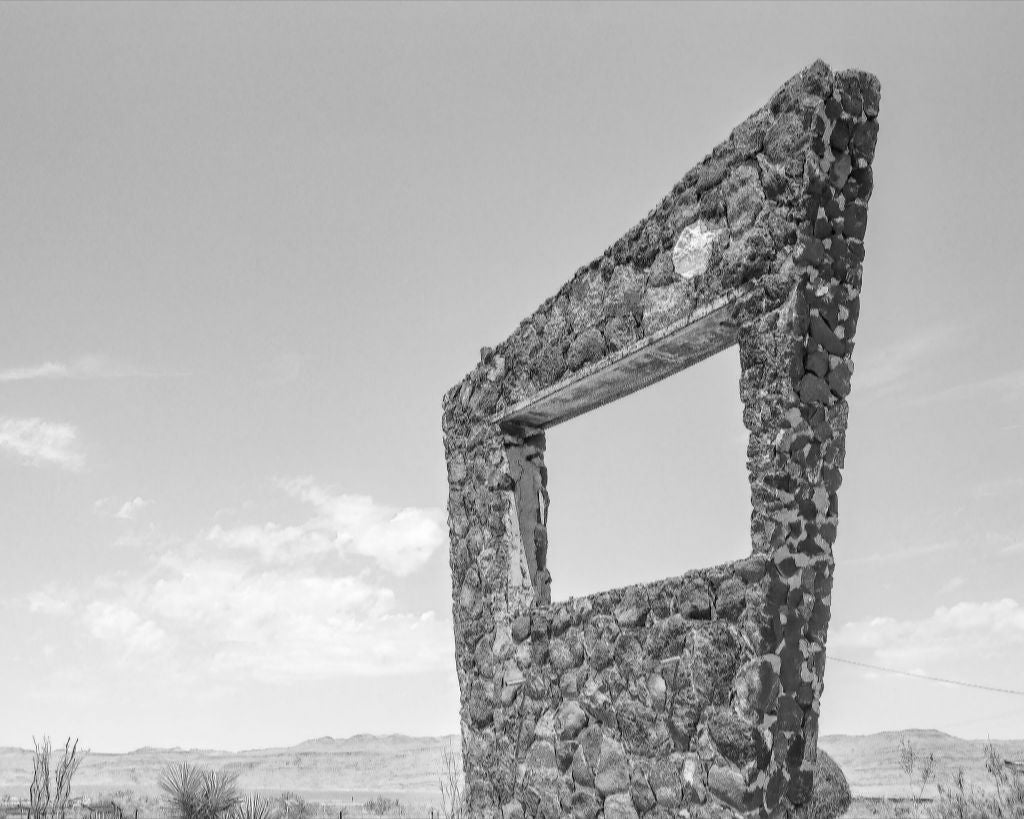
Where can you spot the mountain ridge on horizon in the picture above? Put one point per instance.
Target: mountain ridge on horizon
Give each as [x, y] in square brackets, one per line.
[328, 769]
[327, 739]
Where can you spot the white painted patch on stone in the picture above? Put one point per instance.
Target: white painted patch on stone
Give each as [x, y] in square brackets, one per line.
[693, 250]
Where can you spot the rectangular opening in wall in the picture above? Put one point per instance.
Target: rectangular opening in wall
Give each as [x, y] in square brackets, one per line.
[647, 487]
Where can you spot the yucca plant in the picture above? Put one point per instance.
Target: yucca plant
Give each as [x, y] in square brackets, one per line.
[253, 806]
[182, 782]
[195, 793]
[220, 794]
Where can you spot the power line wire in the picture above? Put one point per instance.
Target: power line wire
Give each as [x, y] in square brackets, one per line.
[926, 677]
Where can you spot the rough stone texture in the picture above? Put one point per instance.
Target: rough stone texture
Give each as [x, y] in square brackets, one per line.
[699, 693]
[831, 796]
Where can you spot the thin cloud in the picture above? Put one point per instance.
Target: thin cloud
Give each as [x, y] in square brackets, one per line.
[37, 442]
[90, 367]
[51, 600]
[86, 367]
[999, 488]
[900, 553]
[980, 630]
[48, 370]
[882, 372]
[273, 542]
[888, 372]
[1007, 386]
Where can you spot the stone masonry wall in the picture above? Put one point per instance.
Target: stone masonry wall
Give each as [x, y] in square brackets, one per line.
[697, 695]
[627, 697]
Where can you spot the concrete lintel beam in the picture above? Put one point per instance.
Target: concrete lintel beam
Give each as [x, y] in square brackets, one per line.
[686, 342]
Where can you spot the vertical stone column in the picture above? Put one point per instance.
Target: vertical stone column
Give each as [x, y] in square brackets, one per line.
[493, 578]
[796, 363]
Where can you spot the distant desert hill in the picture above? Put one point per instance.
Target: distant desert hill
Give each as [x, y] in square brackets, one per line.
[407, 768]
[872, 762]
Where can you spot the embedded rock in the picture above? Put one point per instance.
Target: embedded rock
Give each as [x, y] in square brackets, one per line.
[727, 785]
[612, 772]
[619, 806]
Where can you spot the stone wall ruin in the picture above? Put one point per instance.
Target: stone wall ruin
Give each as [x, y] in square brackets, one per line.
[697, 695]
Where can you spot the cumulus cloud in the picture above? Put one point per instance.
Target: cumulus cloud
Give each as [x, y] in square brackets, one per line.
[121, 509]
[985, 629]
[118, 623]
[276, 602]
[283, 625]
[38, 442]
[131, 509]
[400, 541]
[274, 624]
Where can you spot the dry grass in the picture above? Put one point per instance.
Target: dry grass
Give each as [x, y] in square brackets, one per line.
[453, 796]
[1002, 798]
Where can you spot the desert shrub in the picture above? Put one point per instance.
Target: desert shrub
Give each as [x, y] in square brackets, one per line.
[289, 805]
[381, 806]
[453, 795]
[920, 769]
[50, 791]
[130, 801]
[831, 795]
[962, 800]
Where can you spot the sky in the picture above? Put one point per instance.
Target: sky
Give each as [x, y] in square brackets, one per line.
[247, 248]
